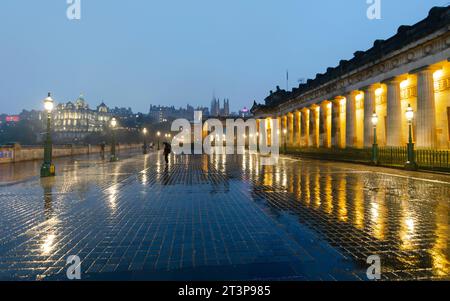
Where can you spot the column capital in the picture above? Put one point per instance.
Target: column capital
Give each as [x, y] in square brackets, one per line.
[424, 69]
[394, 80]
[337, 99]
[352, 93]
[369, 88]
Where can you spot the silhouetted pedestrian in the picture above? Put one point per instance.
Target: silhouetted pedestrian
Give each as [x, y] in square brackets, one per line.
[167, 151]
[102, 149]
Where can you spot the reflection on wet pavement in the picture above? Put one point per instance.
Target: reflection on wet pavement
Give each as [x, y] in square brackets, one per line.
[225, 217]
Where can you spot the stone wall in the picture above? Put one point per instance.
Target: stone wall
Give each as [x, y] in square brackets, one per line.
[19, 153]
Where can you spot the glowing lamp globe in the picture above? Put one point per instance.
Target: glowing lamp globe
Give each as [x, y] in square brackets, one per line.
[409, 113]
[48, 103]
[114, 122]
[374, 119]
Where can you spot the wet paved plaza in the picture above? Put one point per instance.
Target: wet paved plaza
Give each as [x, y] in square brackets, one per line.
[223, 218]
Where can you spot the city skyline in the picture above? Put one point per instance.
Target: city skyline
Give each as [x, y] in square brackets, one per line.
[114, 62]
[269, 144]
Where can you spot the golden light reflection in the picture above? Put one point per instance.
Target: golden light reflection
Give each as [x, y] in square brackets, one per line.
[359, 204]
[439, 252]
[342, 199]
[112, 193]
[284, 178]
[378, 217]
[268, 174]
[205, 167]
[48, 244]
[307, 189]
[144, 179]
[328, 192]
[406, 232]
[298, 190]
[317, 196]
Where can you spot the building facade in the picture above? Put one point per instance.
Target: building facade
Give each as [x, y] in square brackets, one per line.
[75, 120]
[160, 114]
[217, 111]
[335, 109]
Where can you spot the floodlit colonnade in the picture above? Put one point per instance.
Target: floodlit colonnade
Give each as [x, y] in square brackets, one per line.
[345, 121]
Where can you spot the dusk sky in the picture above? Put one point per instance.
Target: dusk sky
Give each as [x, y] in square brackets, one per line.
[174, 52]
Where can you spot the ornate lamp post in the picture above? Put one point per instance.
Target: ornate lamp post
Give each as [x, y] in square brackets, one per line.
[411, 163]
[145, 147]
[113, 157]
[48, 169]
[375, 144]
[158, 134]
[285, 138]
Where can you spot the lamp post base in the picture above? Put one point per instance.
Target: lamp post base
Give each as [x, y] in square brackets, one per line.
[47, 170]
[374, 154]
[411, 166]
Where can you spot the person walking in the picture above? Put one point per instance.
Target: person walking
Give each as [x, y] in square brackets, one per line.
[102, 150]
[167, 151]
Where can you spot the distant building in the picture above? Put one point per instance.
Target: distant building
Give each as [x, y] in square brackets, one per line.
[215, 107]
[217, 111]
[75, 120]
[160, 114]
[9, 119]
[244, 113]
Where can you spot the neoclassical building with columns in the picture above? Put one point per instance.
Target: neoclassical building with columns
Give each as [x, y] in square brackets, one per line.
[335, 110]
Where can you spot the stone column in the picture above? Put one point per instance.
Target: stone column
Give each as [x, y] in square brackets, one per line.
[350, 117]
[291, 129]
[297, 127]
[336, 124]
[324, 125]
[313, 126]
[369, 109]
[426, 109]
[394, 113]
[305, 128]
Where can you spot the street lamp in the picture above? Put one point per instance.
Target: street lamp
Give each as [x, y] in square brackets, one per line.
[285, 138]
[158, 134]
[113, 157]
[145, 147]
[375, 144]
[411, 163]
[48, 169]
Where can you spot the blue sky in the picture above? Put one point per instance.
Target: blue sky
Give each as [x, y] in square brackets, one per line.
[141, 52]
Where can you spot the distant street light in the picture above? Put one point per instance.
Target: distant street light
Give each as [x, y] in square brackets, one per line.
[145, 147]
[158, 134]
[48, 169]
[113, 157]
[375, 145]
[411, 163]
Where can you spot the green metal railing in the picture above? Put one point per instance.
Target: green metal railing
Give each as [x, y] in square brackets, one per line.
[434, 159]
[393, 156]
[431, 159]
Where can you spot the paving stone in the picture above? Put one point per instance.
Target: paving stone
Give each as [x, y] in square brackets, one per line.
[225, 218]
